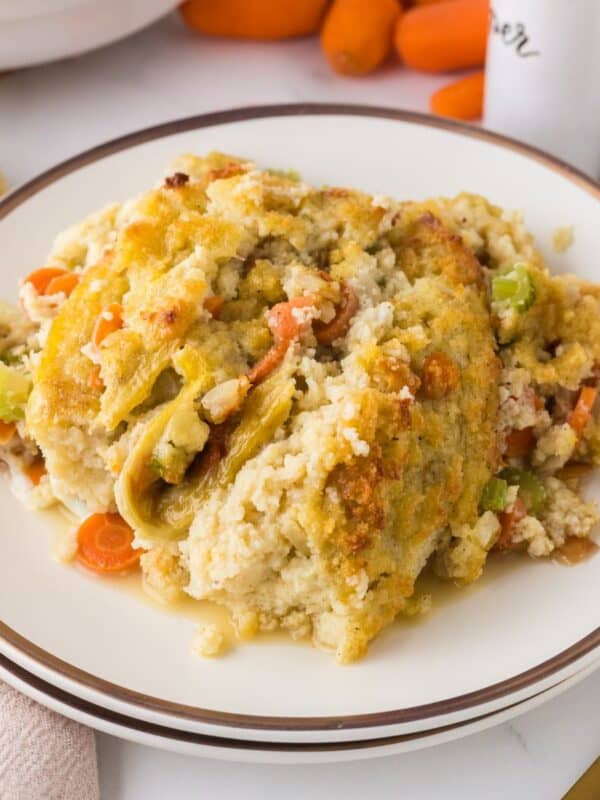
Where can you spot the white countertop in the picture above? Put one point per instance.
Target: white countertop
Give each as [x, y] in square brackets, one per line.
[52, 112]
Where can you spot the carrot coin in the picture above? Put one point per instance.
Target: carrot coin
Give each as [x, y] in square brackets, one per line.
[104, 544]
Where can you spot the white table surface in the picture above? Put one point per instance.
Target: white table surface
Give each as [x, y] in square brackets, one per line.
[51, 112]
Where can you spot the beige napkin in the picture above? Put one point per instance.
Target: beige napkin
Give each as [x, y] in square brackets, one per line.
[43, 756]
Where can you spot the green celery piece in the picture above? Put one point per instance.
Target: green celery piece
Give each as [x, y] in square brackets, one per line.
[531, 489]
[515, 287]
[493, 497]
[14, 391]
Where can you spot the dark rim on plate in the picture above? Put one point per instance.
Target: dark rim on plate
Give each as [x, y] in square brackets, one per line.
[106, 715]
[147, 703]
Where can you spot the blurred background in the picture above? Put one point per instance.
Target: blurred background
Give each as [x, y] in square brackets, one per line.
[215, 54]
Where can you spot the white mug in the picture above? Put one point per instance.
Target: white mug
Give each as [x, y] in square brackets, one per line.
[543, 76]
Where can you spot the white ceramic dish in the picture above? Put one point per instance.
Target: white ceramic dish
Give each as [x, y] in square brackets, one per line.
[34, 31]
[522, 629]
[265, 753]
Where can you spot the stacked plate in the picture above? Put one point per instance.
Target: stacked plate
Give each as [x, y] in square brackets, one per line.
[95, 650]
[34, 31]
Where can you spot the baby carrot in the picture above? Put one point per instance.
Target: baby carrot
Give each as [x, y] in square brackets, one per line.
[109, 321]
[461, 99]
[104, 544]
[259, 19]
[357, 36]
[442, 37]
[581, 414]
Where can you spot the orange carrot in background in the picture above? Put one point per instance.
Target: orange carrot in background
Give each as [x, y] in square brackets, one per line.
[461, 99]
[109, 321]
[104, 544]
[581, 414]
[357, 36]
[254, 19]
[445, 36]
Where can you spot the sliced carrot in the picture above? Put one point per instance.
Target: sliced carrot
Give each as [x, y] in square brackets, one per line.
[214, 304]
[441, 37]
[461, 99]
[7, 431]
[268, 362]
[109, 321]
[508, 523]
[36, 470]
[338, 327]
[104, 544]
[285, 325]
[581, 414]
[40, 278]
[63, 283]
[95, 381]
[519, 443]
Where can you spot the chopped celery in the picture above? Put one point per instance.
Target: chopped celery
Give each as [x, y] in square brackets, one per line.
[531, 489]
[288, 174]
[155, 466]
[493, 497]
[14, 391]
[515, 287]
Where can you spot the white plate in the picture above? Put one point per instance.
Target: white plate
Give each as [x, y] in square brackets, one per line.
[523, 628]
[195, 744]
[33, 31]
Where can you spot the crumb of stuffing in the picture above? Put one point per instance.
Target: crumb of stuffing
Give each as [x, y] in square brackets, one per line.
[565, 514]
[163, 575]
[555, 447]
[563, 238]
[530, 530]
[64, 545]
[209, 641]
[3, 184]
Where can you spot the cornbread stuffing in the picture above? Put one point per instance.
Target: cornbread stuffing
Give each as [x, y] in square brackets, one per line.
[289, 400]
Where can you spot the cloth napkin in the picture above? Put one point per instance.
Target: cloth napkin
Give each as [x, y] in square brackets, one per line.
[43, 756]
